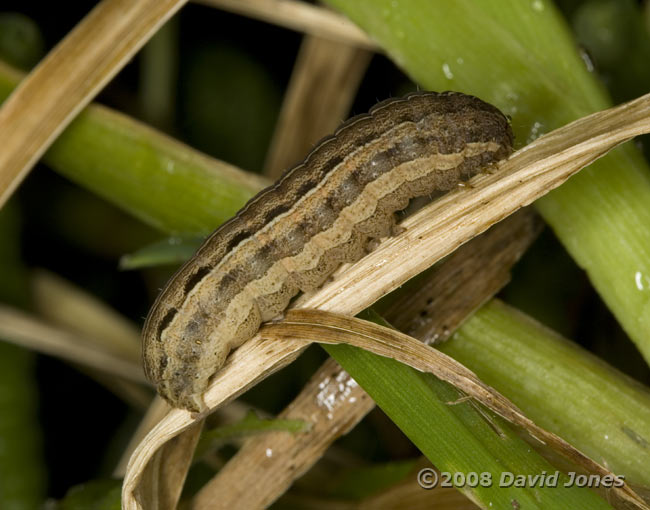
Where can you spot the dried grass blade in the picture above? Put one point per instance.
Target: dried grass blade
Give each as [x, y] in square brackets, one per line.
[60, 302]
[334, 403]
[432, 309]
[335, 70]
[163, 483]
[299, 16]
[157, 410]
[70, 308]
[23, 329]
[69, 77]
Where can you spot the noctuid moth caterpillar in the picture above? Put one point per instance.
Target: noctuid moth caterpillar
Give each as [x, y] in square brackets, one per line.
[321, 213]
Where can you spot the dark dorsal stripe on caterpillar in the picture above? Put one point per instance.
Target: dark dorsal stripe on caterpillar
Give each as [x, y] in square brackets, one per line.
[291, 236]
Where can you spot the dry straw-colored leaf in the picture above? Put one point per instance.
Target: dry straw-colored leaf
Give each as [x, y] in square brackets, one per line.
[69, 77]
[335, 71]
[300, 16]
[431, 310]
[430, 234]
[61, 303]
[70, 308]
[75, 326]
[155, 412]
[171, 466]
[31, 332]
[333, 403]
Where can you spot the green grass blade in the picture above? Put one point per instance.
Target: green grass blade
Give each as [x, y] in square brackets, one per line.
[520, 56]
[456, 437]
[560, 386]
[168, 251]
[22, 473]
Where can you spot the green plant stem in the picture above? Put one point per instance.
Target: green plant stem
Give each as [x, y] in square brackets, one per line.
[155, 178]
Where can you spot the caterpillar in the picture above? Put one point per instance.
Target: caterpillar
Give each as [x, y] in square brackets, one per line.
[321, 213]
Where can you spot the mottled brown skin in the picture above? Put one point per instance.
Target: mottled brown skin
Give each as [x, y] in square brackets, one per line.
[322, 213]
